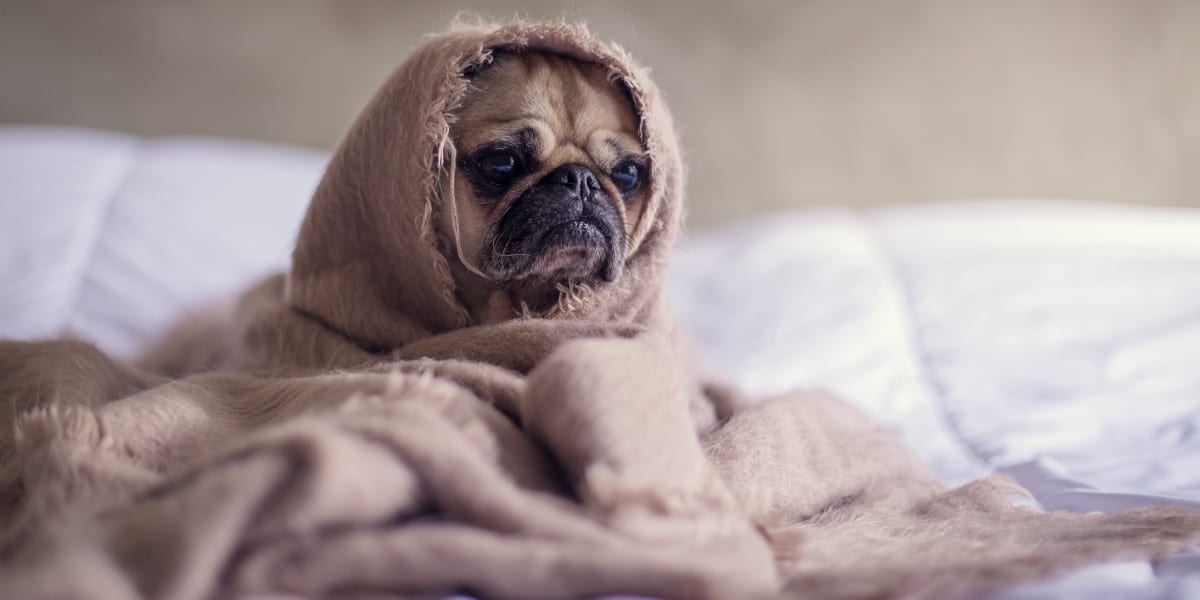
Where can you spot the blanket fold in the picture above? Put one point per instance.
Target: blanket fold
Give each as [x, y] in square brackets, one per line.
[346, 430]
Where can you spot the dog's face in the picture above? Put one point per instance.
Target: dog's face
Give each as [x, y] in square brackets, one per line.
[552, 176]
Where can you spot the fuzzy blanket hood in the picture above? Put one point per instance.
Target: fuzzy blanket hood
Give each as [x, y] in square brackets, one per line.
[346, 431]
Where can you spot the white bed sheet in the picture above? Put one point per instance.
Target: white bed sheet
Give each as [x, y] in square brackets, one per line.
[1058, 342]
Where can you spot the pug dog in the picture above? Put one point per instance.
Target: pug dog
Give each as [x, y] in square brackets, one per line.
[551, 178]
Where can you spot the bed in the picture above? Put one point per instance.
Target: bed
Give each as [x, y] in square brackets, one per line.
[1055, 341]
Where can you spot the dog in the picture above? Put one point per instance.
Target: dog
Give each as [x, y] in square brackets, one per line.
[551, 178]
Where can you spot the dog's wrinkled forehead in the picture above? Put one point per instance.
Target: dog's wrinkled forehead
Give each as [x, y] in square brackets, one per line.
[532, 100]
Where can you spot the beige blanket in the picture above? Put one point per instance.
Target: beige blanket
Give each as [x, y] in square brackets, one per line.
[346, 431]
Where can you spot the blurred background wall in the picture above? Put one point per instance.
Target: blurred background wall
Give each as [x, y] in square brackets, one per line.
[781, 104]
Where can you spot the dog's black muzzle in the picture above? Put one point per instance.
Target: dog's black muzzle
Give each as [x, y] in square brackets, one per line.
[564, 227]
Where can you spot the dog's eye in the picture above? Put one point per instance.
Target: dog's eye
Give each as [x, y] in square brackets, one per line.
[498, 167]
[627, 176]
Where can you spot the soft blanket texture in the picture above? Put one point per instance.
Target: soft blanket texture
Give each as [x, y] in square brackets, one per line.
[398, 449]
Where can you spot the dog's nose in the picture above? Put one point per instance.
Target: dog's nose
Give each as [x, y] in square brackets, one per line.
[577, 177]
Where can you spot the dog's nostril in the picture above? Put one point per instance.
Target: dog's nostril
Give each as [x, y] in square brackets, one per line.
[577, 177]
[567, 177]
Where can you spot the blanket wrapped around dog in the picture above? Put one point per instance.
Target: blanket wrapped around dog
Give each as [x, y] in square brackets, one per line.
[347, 431]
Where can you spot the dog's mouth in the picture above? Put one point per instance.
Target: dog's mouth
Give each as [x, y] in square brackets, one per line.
[580, 250]
[574, 250]
[581, 237]
[535, 247]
